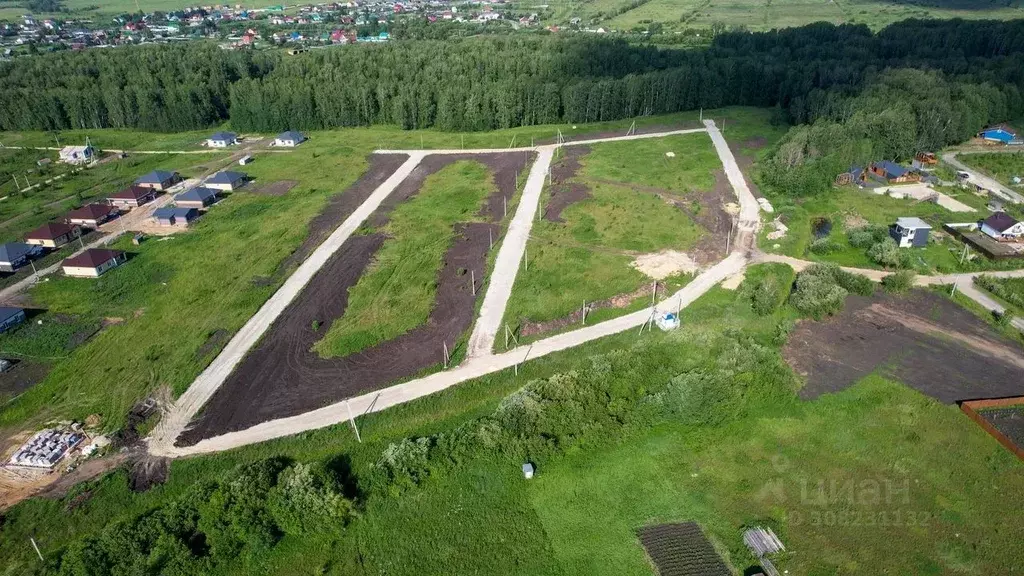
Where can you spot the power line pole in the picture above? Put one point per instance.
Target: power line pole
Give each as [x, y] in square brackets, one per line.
[34, 545]
[353, 422]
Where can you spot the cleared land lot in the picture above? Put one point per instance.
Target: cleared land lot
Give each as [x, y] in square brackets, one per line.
[1002, 166]
[284, 376]
[607, 205]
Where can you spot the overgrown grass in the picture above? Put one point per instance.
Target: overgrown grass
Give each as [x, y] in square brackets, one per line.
[1002, 166]
[1009, 290]
[397, 292]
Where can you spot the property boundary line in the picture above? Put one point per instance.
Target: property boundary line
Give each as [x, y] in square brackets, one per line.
[971, 407]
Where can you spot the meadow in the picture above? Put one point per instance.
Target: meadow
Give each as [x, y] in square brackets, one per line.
[1003, 166]
[928, 491]
[587, 257]
[397, 292]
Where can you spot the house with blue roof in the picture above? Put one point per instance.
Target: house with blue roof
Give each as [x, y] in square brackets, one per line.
[14, 255]
[222, 140]
[893, 173]
[226, 180]
[158, 180]
[999, 135]
[175, 216]
[198, 197]
[289, 139]
[10, 317]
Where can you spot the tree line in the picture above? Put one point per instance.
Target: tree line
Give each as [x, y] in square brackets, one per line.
[493, 81]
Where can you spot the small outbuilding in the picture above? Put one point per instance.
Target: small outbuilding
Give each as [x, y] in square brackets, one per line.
[226, 180]
[132, 197]
[175, 216]
[53, 235]
[910, 231]
[289, 139]
[92, 215]
[14, 255]
[998, 135]
[1002, 227]
[77, 154]
[198, 197]
[158, 180]
[528, 470]
[93, 262]
[222, 140]
[10, 317]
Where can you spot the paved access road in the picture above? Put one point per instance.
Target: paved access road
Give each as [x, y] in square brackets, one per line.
[982, 180]
[480, 360]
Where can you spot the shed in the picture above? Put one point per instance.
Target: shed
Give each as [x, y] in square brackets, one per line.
[222, 139]
[93, 262]
[77, 154]
[14, 255]
[1003, 227]
[132, 197]
[53, 235]
[172, 216]
[226, 180]
[10, 317]
[289, 139]
[247, 159]
[998, 135]
[528, 470]
[158, 180]
[91, 215]
[198, 197]
[910, 231]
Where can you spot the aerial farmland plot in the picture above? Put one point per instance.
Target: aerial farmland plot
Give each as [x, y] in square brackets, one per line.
[617, 218]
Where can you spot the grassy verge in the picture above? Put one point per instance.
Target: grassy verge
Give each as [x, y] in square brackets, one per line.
[397, 292]
[1001, 166]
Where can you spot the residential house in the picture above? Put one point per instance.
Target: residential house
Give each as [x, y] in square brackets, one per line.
[924, 161]
[10, 317]
[198, 197]
[158, 180]
[909, 232]
[222, 140]
[855, 175]
[77, 154]
[91, 215]
[132, 197]
[93, 262]
[290, 139]
[1003, 227]
[893, 173]
[14, 255]
[999, 135]
[226, 180]
[53, 235]
[177, 217]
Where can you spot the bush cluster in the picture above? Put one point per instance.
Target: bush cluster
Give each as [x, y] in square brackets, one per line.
[887, 253]
[899, 282]
[867, 236]
[821, 289]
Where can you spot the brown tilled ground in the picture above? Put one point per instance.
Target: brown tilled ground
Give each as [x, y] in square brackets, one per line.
[528, 328]
[282, 377]
[279, 188]
[922, 340]
[562, 192]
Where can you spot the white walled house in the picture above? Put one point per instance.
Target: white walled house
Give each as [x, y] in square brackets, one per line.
[1001, 226]
[222, 140]
[289, 139]
[93, 262]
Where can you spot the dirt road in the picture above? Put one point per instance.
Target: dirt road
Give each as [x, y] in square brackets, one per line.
[982, 180]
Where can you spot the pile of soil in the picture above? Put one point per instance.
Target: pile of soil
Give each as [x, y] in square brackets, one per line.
[923, 340]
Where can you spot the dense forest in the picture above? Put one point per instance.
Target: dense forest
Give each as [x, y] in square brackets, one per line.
[494, 82]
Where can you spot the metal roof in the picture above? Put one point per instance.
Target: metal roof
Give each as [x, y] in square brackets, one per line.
[226, 177]
[912, 223]
[199, 193]
[11, 251]
[155, 177]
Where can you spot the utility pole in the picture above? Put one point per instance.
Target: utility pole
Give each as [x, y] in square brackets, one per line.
[490, 239]
[34, 545]
[584, 309]
[472, 281]
[353, 422]
[964, 255]
[504, 206]
[526, 258]
[446, 356]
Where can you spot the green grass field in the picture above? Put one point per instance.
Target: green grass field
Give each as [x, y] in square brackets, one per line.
[397, 292]
[911, 485]
[1002, 166]
[587, 257]
[762, 15]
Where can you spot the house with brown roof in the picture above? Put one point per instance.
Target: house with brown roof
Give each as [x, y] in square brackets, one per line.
[53, 235]
[132, 197]
[93, 262]
[91, 215]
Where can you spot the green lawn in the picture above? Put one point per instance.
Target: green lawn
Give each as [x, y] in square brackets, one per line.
[587, 257]
[397, 292]
[1000, 165]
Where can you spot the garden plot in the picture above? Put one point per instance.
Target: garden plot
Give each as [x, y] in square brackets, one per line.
[287, 374]
[923, 340]
[617, 216]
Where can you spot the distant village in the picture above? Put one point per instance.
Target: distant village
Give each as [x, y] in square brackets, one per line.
[236, 27]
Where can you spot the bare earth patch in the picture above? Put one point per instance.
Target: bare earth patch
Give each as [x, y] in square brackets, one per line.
[661, 265]
[279, 188]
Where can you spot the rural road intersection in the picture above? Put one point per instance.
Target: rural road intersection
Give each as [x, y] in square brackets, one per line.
[480, 359]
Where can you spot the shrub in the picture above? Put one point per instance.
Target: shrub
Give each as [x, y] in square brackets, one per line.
[823, 246]
[765, 299]
[888, 254]
[308, 499]
[818, 291]
[866, 236]
[1003, 319]
[899, 282]
[854, 283]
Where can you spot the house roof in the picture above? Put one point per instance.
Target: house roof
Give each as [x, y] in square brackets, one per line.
[912, 223]
[291, 135]
[197, 194]
[131, 193]
[50, 231]
[91, 212]
[226, 177]
[175, 212]
[892, 169]
[11, 251]
[1000, 222]
[224, 136]
[8, 312]
[155, 177]
[93, 258]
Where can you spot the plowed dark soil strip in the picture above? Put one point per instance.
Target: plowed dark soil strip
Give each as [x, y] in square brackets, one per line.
[681, 550]
[281, 377]
[563, 193]
[835, 353]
